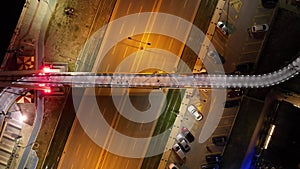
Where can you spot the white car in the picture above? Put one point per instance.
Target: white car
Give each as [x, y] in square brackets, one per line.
[223, 27]
[177, 149]
[173, 166]
[195, 112]
[260, 28]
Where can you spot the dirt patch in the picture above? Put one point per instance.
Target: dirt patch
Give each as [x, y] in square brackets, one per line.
[66, 35]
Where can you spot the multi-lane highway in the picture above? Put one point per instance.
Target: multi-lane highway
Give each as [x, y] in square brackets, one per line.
[134, 50]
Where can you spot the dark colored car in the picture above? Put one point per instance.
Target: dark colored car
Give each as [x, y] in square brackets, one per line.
[244, 68]
[232, 103]
[183, 142]
[210, 166]
[187, 134]
[219, 140]
[235, 93]
[213, 158]
[269, 4]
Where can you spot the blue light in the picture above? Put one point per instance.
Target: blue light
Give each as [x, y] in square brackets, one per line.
[248, 160]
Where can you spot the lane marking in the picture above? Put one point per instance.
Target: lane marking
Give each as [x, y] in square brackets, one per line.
[128, 9]
[121, 29]
[78, 148]
[89, 152]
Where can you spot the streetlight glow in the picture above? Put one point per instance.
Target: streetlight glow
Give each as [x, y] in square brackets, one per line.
[271, 130]
[23, 118]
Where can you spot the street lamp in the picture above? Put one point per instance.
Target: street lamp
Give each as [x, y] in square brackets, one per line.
[148, 43]
[268, 139]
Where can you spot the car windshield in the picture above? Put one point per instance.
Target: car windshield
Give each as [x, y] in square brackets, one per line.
[184, 143]
[176, 148]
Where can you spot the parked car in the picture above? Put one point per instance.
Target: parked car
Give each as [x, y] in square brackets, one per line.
[260, 28]
[232, 103]
[244, 68]
[222, 26]
[177, 149]
[269, 3]
[235, 93]
[215, 57]
[195, 112]
[210, 166]
[183, 142]
[219, 140]
[173, 166]
[187, 134]
[213, 158]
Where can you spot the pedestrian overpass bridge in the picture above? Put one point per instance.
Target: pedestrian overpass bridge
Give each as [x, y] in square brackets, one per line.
[35, 79]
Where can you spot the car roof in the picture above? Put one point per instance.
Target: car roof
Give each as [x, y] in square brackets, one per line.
[260, 27]
[220, 22]
[179, 136]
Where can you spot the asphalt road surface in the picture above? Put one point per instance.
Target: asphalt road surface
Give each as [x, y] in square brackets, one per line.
[138, 47]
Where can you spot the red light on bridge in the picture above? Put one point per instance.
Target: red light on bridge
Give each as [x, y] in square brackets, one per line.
[49, 69]
[46, 69]
[47, 90]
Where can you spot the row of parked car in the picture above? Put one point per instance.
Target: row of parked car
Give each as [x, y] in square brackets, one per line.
[182, 145]
[185, 137]
[213, 161]
[223, 26]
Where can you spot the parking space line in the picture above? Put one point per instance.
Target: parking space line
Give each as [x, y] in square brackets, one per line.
[253, 43]
[204, 93]
[223, 126]
[249, 52]
[228, 116]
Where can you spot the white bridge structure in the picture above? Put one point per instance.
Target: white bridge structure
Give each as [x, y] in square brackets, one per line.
[129, 80]
[18, 82]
